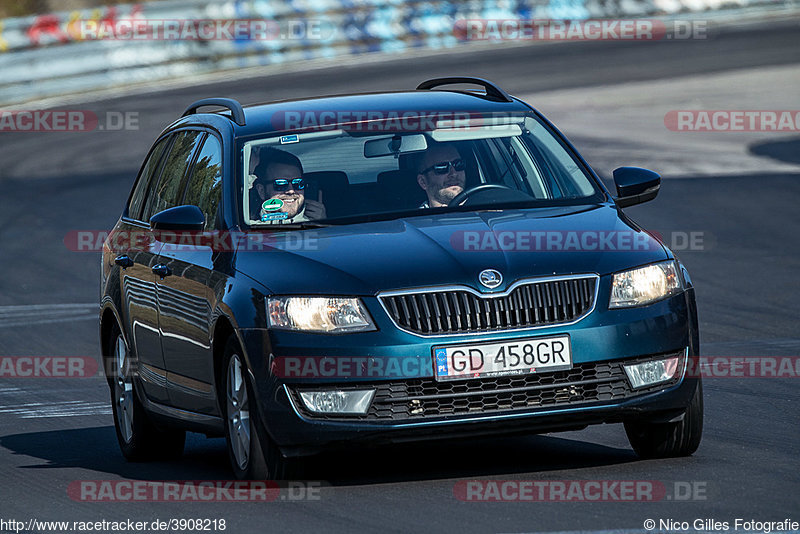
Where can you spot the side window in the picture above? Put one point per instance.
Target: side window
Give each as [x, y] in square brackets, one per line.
[530, 179]
[167, 192]
[566, 172]
[204, 188]
[505, 171]
[145, 177]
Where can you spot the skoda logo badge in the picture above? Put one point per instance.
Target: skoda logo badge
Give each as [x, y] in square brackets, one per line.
[490, 278]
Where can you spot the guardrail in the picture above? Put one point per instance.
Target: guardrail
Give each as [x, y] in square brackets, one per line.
[54, 54]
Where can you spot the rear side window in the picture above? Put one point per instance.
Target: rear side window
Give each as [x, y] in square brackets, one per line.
[169, 189]
[145, 177]
[204, 188]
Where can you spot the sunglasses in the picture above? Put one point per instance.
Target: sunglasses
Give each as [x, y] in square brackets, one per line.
[283, 184]
[443, 167]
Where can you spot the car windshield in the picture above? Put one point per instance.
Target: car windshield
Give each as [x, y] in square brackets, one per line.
[347, 175]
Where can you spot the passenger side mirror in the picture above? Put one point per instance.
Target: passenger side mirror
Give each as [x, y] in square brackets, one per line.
[181, 218]
[635, 185]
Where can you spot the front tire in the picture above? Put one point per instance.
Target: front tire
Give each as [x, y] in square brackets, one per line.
[669, 440]
[139, 439]
[253, 454]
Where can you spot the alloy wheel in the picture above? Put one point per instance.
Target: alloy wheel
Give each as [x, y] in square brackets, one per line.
[238, 412]
[123, 390]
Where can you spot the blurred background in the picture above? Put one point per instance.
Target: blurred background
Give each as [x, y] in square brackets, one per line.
[50, 47]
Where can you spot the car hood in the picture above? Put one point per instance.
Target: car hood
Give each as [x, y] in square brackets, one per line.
[449, 249]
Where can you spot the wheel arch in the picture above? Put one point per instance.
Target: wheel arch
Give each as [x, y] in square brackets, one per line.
[223, 329]
[108, 318]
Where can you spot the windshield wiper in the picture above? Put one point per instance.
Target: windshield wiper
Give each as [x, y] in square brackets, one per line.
[306, 225]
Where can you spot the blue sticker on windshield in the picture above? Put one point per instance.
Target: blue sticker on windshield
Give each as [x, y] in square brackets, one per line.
[265, 217]
[286, 139]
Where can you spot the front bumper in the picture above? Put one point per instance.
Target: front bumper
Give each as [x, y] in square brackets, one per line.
[608, 336]
[314, 436]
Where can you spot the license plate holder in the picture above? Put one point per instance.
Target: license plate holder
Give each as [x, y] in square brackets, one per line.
[512, 357]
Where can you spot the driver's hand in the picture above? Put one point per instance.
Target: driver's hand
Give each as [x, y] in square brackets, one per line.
[315, 209]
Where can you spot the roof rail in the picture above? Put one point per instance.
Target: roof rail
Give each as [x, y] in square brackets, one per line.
[237, 112]
[492, 91]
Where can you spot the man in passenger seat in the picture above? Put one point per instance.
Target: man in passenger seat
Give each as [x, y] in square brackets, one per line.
[279, 180]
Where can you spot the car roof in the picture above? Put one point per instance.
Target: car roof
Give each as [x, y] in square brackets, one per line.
[276, 117]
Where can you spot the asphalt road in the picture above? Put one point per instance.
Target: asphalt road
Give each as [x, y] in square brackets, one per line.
[54, 432]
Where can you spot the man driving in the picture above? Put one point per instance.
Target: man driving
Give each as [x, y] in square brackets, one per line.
[281, 190]
[441, 173]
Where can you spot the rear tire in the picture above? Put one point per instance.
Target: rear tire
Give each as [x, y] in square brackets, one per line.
[253, 454]
[669, 440]
[139, 439]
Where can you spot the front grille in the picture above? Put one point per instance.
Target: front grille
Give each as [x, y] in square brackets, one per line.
[454, 311]
[424, 398]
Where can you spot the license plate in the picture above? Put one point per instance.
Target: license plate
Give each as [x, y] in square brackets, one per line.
[514, 357]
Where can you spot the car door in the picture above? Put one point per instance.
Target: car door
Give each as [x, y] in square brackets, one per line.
[164, 192]
[136, 254]
[184, 298]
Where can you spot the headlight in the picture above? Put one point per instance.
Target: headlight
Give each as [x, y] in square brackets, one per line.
[318, 314]
[644, 285]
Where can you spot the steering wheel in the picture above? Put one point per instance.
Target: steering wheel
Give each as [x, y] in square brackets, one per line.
[465, 194]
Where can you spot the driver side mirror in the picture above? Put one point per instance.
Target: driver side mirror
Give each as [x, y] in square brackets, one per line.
[635, 185]
[179, 218]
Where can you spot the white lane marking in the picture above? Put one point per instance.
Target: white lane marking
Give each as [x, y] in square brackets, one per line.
[36, 314]
[35, 410]
[31, 322]
[39, 307]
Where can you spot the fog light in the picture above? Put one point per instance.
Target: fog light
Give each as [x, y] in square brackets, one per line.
[652, 372]
[338, 401]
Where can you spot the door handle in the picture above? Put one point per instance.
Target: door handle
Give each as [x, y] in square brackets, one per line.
[123, 261]
[161, 270]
